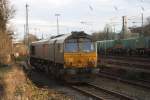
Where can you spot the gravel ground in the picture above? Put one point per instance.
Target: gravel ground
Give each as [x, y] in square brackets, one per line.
[133, 91]
[16, 85]
[42, 80]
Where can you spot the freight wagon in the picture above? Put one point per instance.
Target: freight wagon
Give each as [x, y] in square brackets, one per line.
[131, 46]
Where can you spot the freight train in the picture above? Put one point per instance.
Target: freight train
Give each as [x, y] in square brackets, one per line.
[71, 57]
[133, 46]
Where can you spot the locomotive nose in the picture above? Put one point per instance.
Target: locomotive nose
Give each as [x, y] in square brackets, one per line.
[80, 60]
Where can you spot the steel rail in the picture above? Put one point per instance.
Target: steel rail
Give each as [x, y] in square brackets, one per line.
[104, 93]
[102, 74]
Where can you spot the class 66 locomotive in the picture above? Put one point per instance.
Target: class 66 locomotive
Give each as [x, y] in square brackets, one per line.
[70, 57]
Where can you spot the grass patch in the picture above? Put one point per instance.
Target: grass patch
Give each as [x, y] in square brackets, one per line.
[4, 70]
[21, 58]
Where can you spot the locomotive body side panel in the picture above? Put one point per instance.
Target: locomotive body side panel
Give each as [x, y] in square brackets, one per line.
[39, 51]
[51, 52]
[45, 51]
[59, 55]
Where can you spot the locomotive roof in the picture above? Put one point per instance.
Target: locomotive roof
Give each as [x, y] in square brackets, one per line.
[40, 42]
[63, 37]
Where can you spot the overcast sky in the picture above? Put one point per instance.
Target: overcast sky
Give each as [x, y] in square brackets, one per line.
[95, 13]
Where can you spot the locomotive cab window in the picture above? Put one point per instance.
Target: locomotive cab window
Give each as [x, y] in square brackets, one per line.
[71, 45]
[80, 44]
[85, 45]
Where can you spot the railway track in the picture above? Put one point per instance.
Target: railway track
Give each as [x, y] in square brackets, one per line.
[141, 83]
[144, 65]
[126, 64]
[128, 58]
[125, 67]
[100, 93]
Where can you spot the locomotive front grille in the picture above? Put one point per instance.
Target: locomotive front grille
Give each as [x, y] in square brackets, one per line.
[80, 60]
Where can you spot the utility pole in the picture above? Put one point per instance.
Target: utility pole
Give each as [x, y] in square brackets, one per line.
[107, 33]
[142, 25]
[124, 26]
[57, 15]
[42, 36]
[114, 28]
[24, 32]
[27, 25]
[142, 8]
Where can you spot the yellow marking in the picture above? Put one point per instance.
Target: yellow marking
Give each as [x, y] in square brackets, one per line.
[80, 60]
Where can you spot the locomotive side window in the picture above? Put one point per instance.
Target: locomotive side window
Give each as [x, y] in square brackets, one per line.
[32, 50]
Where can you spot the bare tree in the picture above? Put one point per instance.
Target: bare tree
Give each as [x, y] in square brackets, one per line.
[31, 39]
[97, 36]
[145, 30]
[107, 34]
[6, 13]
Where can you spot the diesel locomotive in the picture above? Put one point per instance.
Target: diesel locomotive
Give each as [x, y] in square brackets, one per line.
[71, 57]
